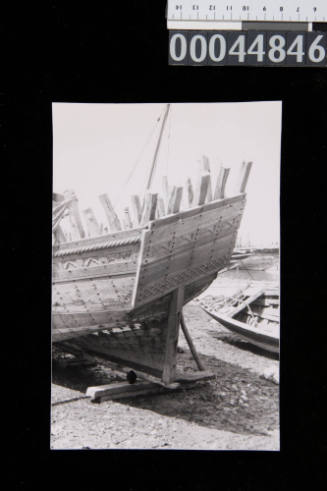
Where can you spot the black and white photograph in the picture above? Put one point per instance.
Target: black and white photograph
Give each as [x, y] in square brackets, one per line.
[165, 325]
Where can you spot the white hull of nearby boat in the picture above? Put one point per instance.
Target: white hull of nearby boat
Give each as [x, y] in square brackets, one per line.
[258, 337]
[252, 316]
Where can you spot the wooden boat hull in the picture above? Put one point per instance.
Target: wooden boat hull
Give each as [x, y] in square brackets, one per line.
[124, 278]
[266, 338]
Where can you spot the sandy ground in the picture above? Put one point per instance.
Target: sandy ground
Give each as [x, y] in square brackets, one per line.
[237, 410]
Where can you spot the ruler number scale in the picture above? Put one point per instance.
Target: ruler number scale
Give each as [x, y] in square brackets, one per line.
[247, 10]
[247, 32]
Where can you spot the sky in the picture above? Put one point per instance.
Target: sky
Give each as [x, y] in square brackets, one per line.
[108, 148]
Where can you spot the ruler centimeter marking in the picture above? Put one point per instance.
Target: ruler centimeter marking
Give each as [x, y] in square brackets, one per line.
[183, 14]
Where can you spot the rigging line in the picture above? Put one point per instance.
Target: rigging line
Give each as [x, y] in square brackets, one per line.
[155, 158]
[168, 143]
[138, 159]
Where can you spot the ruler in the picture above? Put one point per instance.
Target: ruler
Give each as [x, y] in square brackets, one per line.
[183, 13]
[248, 32]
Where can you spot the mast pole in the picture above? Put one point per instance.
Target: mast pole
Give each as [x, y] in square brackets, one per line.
[154, 163]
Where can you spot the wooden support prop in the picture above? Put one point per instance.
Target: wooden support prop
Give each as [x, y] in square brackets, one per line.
[150, 205]
[201, 190]
[161, 211]
[190, 192]
[190, 343]
[175, 200]
[136, 209]
[92, 224]
[113, 220]
[175, 308]
[244, 175]
[127, 219]
[74, 216]
[221, 183]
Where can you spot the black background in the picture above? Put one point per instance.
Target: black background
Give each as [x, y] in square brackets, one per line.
[120, 54]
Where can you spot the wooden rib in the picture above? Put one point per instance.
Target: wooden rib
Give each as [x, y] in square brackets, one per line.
[127, 219]
[150, 205]
[201, 190]
[161, 212]
[221, 183]
[205, 164]
[166, 191]
[74, 215]
[165, 186]
[244, 175]
[57, 198]
[190, 192]
[59, 235]
[175, 200]
[111, 215]
[136, 209]
[92, 224]
[171, 200]
[206, 169]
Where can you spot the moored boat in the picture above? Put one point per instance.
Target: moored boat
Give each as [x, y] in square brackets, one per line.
[253, 317]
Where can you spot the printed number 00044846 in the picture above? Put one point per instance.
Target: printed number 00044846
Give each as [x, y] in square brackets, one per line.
[247, 48]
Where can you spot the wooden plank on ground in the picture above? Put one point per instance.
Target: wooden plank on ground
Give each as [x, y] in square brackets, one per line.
[221, 183]
[193, 376]
[113, 220]
[124, 389]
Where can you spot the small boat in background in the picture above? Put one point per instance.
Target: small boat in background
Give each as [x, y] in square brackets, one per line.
[254, 317]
